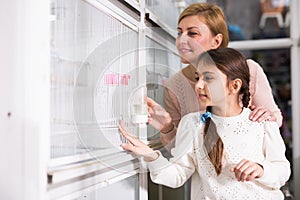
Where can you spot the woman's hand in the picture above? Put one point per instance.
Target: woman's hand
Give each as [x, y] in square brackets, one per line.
[260, 114]
[158, 117]
[247, 170]
[136, 146]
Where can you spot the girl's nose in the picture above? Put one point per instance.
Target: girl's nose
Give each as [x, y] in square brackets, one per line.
[200, 84]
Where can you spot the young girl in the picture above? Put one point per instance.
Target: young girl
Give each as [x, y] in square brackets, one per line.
[227, 155]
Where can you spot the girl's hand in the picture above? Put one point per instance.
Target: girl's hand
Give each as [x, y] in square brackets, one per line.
[247, 170]
[158, 117]
[135, 145]
[260, 114]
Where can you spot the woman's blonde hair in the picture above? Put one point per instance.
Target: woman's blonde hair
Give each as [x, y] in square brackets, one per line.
[212, 15]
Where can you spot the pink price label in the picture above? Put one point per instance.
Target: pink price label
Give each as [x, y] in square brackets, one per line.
[116, 79]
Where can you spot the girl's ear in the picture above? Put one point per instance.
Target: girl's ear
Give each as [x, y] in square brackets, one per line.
[217, 40]
[235, 86]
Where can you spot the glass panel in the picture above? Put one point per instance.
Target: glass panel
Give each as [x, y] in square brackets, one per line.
[92, 60]
[125, 189]
[159, 8]
[260, 19]
[161, 63]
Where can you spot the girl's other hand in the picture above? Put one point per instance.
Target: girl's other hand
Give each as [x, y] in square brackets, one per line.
[247, 170]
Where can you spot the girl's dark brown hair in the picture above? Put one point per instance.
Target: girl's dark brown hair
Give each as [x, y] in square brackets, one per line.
[233, 64]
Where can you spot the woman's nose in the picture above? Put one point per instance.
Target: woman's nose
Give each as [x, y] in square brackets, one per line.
[183, 38]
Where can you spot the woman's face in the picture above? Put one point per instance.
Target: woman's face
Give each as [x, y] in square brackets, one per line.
[193, 38]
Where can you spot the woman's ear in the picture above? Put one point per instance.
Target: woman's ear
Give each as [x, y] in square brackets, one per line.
[217, 41]
[235, 86]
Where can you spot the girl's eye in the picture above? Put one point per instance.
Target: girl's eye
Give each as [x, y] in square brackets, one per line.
[197, 78]
[207, 78]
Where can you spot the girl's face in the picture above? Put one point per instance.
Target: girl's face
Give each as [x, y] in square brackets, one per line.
[211, 86]
[193, 38]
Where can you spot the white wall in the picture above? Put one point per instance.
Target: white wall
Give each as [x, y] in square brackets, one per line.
[11, 102]
[23, 85]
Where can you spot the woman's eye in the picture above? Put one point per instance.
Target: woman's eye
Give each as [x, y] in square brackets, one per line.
[192, 33]
[197, 78]
[179, 33]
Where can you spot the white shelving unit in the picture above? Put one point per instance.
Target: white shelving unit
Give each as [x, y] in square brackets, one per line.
[68, 85]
